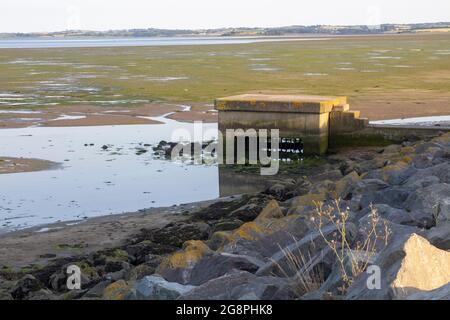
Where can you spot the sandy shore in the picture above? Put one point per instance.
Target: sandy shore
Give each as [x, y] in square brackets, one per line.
[16, 165]
[43, 244]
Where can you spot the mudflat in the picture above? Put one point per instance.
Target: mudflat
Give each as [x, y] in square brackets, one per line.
[16, 165]
[388, 76]
[40, 245]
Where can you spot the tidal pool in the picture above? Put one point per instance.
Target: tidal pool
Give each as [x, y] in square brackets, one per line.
[92, 181]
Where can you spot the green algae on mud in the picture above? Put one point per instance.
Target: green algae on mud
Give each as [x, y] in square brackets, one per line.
[362, 68]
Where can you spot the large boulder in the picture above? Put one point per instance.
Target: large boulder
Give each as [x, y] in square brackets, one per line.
[263, 237]
[271, 211]
[403, 217]
[408, 266]
[392, 196]
[241, 285]
[5, 286]
[443, 293]
[334, 284]
[440, 171]
[369, 186]
[433, 200]
[178, 266]
[308, 248]
[394, 174]
[282, 190]
[97, 290]
[25, 286]
[118, 290]
[332, 175]
[210, 266]
[157, 288]
[343, 186]
[89, 276]
[440, 236]
[218, 264]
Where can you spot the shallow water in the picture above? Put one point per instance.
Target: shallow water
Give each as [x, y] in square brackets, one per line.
[125, 42]
[93, 182]
[419, 121]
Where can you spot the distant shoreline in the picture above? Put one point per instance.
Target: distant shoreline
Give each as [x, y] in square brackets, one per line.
[246, 31]
[101, 42]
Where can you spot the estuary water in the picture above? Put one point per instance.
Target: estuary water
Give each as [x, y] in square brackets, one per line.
[104, 170]
[36, 43]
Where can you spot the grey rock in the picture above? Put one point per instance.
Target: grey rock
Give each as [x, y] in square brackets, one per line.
[310, 246]
[25, 286]
[241, 285]
[387, 231]
[175, 234]
[97, 290]
[392, 149]
[422, 161]
[424, 147]
[408, 265]
[417, 218]
[440, 236]
[5, 288]
[424, 182]
[443, 293]
[42, 294]
[5, 296]
[58, 281]
[157, 288]
[334, 282]
[433, 200]
[441, 171]
[116, 276]
[221, 263]
[332, 175]
[280, 190]
[266, 246]
[140, 272]
[227, 225]
[114, 266]
[369, 186]
[399, 177]
[393, 196]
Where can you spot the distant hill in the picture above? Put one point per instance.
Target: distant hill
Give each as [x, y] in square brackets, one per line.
[223, 32]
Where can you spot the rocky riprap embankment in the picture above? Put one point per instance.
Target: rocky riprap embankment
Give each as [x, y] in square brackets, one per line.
[271, 246]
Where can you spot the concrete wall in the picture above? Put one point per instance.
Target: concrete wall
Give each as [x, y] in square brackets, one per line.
[311, 128]
[379, 135]
[322, 123]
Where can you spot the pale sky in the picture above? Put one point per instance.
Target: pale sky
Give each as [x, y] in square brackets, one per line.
[57, 15]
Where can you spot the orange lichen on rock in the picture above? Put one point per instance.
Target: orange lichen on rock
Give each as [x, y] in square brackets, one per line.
[193, 251]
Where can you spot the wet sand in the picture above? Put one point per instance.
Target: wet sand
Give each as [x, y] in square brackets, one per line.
[86, 115]
[380, 105]
[40, 245]
[197, 112]
[16, 165]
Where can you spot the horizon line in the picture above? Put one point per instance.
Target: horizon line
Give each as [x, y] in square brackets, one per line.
[221, 28]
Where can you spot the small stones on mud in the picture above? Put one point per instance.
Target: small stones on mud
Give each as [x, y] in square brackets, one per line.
[140, 151]
[165, 149]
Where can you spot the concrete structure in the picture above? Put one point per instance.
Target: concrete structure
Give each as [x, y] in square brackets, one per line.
[310, 118]
[322, 123]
